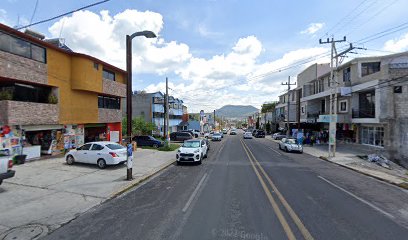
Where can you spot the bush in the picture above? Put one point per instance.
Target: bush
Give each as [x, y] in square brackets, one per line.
[52, 99]
[6, 95]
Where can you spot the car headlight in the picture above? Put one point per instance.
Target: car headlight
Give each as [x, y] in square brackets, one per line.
[197, 151]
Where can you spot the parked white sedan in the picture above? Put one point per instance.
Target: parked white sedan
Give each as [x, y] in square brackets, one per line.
[247, 135]
[100, 153]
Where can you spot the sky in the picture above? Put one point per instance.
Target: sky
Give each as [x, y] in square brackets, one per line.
[217, 52]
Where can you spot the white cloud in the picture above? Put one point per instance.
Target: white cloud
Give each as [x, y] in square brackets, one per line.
[103, 35]
[313, 28]
[397, 45]
[203, 83]
[3, 17]
[203, 31]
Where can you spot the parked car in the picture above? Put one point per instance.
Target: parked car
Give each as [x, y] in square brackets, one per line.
[147, 141]
[290, 145]
[254, 132]
[100, 153]
[207, 135]
[192, 151]
[5, 168]
[224, 131]
[233, 132]
[208, 143]
[247, 135]
[196, 132]
[259, 134]
[191, 132]
[278, 135]
[180, 136]
[216, 136]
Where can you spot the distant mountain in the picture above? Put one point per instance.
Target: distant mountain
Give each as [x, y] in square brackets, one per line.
[236, 111]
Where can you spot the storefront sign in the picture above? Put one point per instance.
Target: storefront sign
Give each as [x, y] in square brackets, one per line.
[327, 118]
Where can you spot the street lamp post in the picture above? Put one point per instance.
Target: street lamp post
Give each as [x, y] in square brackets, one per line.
[129, 38]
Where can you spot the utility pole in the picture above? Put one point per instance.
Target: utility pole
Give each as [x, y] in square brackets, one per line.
[334, 62]
[214, 120]
[287, 120]
[167, 111]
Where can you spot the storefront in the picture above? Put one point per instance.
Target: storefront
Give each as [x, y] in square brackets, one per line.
[42, 140]
[372, 135]
[103, 132]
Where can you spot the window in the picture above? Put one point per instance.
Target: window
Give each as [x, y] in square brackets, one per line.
[21, 47]
[372, 136]
[96, 147]
[346, 75]
[370, 68]
[367, 105]
[108, 102]
[343, 106]
[85, 147]
[323, 106]
[96, 66]
[397, 89]
[108, 75]
[293, 96]
[303, 110]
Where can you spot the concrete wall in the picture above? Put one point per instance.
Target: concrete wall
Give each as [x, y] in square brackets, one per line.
[142, 106]
[109, 115]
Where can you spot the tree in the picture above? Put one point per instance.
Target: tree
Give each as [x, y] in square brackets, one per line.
[268, 107]
[139, 126]
[268, 127]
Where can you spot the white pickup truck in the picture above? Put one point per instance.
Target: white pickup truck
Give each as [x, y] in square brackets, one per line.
[5, 168]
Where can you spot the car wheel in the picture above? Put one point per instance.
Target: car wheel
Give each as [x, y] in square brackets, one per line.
[1, 181]
[155, 145]
[286, 149]
[177, 163]
[279, 146]
[206, 154]
[101, 163]
[70, 160]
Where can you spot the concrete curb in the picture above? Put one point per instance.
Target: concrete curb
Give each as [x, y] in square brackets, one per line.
[401, 185]
[142, 179]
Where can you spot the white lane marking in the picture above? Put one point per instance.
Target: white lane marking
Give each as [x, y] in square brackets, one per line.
[194, 193]
[276, 151]
[358, 198]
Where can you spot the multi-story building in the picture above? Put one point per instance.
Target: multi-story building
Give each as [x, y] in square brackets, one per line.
[151, 107]
[56, 97]
[281, 110]
[372, 107]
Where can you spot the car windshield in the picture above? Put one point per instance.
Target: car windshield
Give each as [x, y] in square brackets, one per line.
[114, 146]
[217, 134]
[291, 141]
[191, 144]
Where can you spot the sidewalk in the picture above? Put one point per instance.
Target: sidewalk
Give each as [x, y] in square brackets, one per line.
[45, 194]
[347, 156]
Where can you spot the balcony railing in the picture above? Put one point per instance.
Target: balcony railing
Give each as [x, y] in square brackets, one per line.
[363, 113]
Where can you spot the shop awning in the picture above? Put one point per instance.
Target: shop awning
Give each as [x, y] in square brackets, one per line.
[94, 125]
[30, 128]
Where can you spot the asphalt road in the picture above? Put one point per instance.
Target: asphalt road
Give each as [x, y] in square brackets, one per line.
[248, 189]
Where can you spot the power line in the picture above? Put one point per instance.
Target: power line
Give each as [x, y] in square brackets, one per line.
[62, 15]
[35, 10]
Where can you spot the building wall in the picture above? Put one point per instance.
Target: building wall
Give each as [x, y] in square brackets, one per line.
[142, 106]
[21, 68]
[75, 106]
[22, 113]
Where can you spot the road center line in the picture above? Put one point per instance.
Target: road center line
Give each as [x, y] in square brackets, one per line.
[268, 193]
[194, 193]
[358, 198]
[306, 234]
